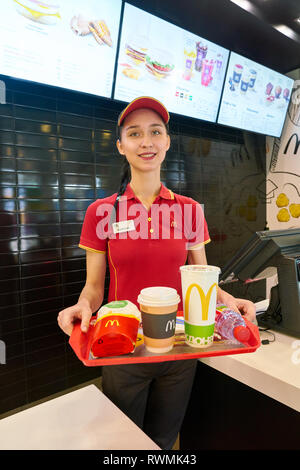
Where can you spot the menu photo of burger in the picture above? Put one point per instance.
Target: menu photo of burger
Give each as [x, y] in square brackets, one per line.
[135, 52]
[159, 64]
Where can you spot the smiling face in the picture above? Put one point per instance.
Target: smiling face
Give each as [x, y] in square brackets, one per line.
[144, 140]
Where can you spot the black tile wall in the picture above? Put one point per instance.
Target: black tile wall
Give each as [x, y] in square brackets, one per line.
[57, 155]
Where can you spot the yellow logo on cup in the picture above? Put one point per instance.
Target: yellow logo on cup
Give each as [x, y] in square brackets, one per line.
[205, 300]
[111, 323]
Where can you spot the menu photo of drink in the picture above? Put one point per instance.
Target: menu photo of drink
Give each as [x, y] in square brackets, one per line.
[177, 67]
[255, 98]
[65, 43]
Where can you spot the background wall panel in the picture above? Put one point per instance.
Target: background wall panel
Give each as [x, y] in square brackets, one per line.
[57, 155]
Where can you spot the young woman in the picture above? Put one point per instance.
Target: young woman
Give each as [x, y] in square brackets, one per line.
[155, 395]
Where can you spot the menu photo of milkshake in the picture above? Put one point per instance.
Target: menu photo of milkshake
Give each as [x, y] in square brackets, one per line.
[202, 62]
[175, 66]
[202, 76]
[255, 98]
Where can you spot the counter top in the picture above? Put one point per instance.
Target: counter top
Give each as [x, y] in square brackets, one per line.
[273, 369]
[82, 420]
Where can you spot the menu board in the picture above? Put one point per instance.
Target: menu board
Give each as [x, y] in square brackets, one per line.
[65, 43]
[179, 68]
[255, 98]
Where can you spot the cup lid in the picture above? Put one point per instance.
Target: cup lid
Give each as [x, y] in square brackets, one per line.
[200, 267]
[158, 296]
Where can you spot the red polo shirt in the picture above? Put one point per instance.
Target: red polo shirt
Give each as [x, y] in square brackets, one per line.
[145, 248]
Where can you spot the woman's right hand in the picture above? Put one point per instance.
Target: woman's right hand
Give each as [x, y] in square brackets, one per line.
[91, 295]
[67, 317]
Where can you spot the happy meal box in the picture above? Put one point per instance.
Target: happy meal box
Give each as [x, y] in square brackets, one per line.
[115, 330]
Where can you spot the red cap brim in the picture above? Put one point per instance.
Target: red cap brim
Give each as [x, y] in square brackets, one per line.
[145, 102]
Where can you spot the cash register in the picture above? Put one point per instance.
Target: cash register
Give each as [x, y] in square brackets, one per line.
[265, 253]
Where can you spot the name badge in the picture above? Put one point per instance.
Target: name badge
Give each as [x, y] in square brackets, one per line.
[123, 226]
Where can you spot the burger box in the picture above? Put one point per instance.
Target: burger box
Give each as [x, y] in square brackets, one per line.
[81, 345]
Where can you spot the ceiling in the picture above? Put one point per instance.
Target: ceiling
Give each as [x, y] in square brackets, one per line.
[281, 14]
[250, 32]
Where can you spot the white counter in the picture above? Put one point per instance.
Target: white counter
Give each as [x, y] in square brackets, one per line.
[273, 369]
[82, 420]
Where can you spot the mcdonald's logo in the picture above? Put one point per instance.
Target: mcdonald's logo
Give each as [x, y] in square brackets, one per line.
[297, 143]
[170, 325]
[205, 300]
[111, 323]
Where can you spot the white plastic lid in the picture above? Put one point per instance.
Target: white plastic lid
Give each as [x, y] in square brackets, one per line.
[200, 267]
[158, 296]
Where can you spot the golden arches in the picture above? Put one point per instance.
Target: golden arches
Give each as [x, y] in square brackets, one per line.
[205, 300]
[111, 323]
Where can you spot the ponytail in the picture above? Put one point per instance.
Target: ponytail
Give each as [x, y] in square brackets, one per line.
[125, 179]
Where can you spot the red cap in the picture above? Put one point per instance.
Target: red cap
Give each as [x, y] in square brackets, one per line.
[145, 102]
[241, 333]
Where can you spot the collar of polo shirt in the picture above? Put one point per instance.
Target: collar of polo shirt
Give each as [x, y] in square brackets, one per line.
[164, 193]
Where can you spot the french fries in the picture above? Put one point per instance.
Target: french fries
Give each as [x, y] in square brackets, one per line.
[100, 32]
[81, 26]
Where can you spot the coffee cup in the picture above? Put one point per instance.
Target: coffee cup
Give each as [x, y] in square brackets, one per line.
[158, 306]
[199, 293]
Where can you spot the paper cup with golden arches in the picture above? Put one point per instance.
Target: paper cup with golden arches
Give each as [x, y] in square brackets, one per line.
[199, 296]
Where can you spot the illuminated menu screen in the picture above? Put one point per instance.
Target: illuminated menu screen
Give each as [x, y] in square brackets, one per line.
[255, 98]
[179, 68]
[70, 43]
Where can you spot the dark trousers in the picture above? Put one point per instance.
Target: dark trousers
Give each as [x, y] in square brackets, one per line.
[154, 396]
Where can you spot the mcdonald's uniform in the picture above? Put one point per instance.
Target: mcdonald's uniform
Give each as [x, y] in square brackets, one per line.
[135, 262]
[152, 395]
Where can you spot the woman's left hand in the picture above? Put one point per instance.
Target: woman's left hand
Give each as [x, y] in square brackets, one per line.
[243, 306]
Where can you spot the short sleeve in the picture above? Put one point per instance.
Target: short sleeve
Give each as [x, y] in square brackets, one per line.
[93, 235]
[197, 230]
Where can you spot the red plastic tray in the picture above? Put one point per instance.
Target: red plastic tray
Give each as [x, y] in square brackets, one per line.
[80, 344]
